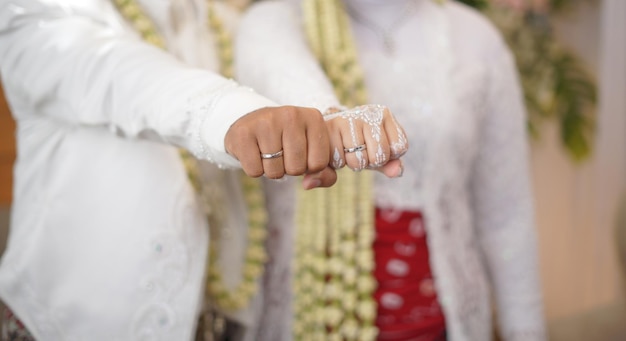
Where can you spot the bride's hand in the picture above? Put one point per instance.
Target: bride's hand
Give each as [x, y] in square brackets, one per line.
[366, 137]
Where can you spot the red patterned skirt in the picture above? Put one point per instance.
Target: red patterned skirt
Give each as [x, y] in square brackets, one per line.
[408, 308]
[13, 329]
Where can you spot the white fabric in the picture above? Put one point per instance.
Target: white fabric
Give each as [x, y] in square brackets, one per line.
[452, 85]
[107, 241]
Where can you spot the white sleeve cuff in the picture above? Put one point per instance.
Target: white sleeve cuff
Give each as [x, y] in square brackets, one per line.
[231, 103]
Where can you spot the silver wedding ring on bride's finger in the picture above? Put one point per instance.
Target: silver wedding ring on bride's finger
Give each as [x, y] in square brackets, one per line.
[358, 148]
[272, 155]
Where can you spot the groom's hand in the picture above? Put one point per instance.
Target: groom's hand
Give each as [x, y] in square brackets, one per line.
[279, 141]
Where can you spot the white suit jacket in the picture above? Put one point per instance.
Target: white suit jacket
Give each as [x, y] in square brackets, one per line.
[107, 241]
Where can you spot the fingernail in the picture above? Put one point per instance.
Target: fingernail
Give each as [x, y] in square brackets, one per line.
[314, 183]
[400, 171]
[356, 169]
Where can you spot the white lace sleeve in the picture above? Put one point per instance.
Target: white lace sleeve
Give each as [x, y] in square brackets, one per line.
[75, 62]
[502, 201]
[274, 58]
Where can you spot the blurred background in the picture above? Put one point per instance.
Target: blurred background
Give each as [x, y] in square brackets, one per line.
[572, 60]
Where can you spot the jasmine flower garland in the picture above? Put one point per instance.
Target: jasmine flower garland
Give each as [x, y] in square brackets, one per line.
[255, 257]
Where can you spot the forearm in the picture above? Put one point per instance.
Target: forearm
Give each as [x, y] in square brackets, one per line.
[83, 69]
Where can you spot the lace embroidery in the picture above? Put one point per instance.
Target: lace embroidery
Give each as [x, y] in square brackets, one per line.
[198, 109]
[171, 259]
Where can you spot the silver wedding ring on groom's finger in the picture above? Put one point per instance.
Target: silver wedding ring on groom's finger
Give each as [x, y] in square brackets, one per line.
[272, 155]
[358, 148]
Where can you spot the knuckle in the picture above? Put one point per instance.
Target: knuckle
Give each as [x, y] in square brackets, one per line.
[352, 165]
[241, 132]
[398, 152]
[386, 151]
[358, 164]
[290, 115]
[315, 115]
[379, 160]
[263, 124]
[274, 174]
[333, 126]
[338, 162]
[316, 168]
[318, 163]
[231, 148]
[253, 172]
[295, 169]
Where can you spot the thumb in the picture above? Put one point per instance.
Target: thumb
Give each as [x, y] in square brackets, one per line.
[392, 169]
[325, 178]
